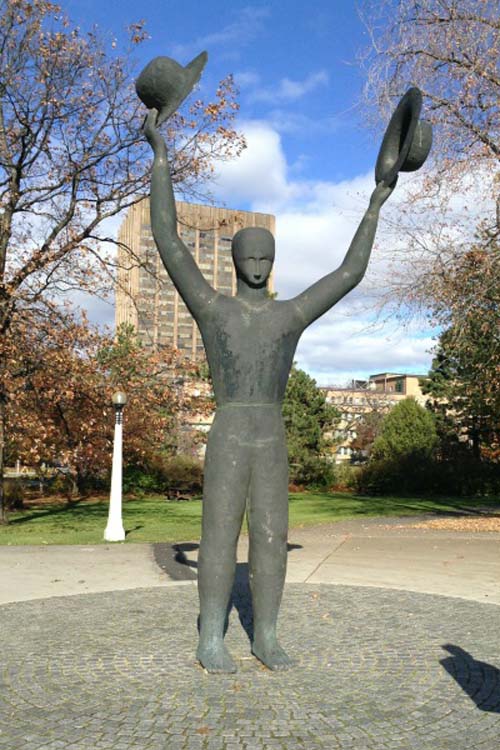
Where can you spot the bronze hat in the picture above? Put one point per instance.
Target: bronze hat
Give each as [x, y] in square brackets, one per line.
[164, 84]
[407, 140]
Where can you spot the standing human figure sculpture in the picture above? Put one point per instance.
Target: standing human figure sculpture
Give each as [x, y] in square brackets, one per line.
[250, 341]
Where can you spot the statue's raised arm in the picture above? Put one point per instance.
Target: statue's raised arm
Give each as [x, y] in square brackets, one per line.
[162, 86]
[321, 296]
[177, 259]
[405, 147]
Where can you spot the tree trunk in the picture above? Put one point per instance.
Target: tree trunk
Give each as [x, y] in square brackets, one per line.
[476, 442]
[73, 486]
[3, 509]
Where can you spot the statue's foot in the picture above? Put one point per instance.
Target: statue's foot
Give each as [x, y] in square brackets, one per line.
[215, 657]
[272, 655]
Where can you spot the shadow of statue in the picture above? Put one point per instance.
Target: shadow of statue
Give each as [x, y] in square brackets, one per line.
[138, 527]
[241, 597]
[480, 680]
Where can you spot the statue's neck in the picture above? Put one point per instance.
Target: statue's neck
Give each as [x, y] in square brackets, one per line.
[250, 294]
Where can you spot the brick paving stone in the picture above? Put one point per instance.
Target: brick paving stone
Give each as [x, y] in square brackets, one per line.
[377, 670]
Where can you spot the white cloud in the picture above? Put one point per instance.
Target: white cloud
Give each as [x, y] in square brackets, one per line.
[336, 349]
[298, 123]
[417, 238]
[259, 175]
[282, 117]
[287, 90]
[99, 311]
[247, 78]
[98, 305]
[247, 24]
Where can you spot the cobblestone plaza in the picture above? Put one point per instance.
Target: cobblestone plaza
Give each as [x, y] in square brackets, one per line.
[375, 669]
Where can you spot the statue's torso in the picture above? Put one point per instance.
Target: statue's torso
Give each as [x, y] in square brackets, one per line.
[250, 348]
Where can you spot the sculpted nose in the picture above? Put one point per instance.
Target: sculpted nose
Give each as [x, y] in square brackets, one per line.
[256, 269]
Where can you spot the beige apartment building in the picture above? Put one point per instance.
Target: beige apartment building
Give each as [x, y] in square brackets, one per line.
[145, 296]
[379, 393]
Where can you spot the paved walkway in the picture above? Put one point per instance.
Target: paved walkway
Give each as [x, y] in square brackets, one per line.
[384, 553]
[378, 667]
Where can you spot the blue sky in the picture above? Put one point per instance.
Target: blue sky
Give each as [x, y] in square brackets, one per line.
[309, 160]
[313, 46]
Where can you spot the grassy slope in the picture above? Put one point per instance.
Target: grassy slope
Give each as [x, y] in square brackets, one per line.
[154, 520]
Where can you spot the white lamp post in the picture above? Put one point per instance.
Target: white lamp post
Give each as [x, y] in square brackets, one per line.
[114, 531]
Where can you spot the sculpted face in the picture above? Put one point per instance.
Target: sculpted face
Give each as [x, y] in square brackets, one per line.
[253, 255]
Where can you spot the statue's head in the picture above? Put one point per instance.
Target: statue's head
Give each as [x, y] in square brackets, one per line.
[253, 255]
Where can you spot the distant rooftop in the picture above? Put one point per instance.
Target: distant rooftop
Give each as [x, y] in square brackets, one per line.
[397, 375]
[364, 385]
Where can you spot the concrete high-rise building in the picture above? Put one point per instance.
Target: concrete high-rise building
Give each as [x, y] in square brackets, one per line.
[145, 296]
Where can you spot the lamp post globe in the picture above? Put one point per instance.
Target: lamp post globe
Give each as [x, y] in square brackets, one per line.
[114, 531]
[119, 399]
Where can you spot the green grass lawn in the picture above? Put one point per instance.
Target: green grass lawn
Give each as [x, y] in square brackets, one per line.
[155, 520]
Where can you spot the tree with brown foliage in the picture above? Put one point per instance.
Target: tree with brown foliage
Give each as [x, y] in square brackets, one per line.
[63, 374]
[367, 428]
[450, 49]
[72, 156]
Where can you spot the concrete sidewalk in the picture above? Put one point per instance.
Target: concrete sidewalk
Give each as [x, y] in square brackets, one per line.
[388, 553]
[384, 553]
[38, 572]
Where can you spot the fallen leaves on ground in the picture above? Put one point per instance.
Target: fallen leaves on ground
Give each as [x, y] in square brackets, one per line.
[463, 523]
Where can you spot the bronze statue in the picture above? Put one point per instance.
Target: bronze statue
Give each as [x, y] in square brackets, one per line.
[250, 340]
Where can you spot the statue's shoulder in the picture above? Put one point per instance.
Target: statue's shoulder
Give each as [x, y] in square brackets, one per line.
[219, 306]
[289, 306]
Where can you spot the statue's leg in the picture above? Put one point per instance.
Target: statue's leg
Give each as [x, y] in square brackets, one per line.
[268, 530]
[225, 489]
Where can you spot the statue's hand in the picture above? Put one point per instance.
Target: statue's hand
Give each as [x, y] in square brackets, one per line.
[153, 135]
[381, 194]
